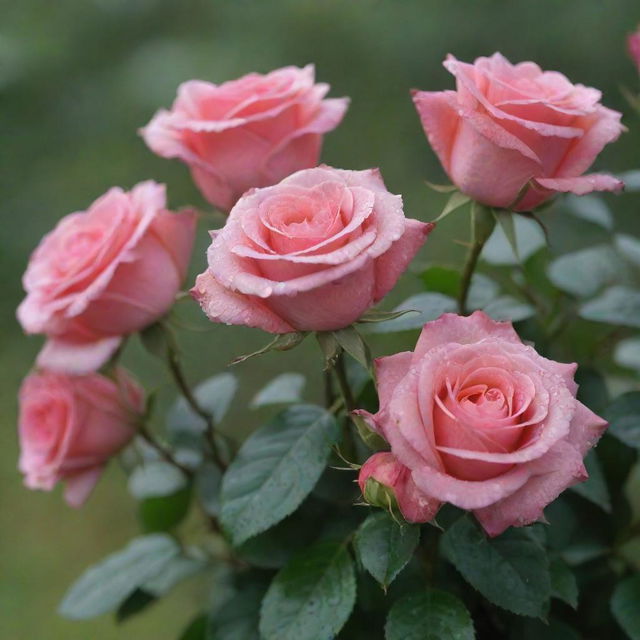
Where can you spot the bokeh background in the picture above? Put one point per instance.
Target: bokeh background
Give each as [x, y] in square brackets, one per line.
[79, 77]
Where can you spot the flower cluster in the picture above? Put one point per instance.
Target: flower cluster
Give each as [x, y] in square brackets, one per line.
[474, 416]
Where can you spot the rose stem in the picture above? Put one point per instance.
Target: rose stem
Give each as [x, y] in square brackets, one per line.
[179, 378]
[349, 404]
[482, 224]
[146, 435]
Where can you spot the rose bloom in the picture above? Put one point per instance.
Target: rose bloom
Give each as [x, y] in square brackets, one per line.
[104, 273]
[482, 421]
[633, 44]
[506, 125]
[309, 254]
[250, 132]
[69, 427]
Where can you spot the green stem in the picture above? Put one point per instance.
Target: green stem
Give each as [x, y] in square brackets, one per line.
[165, 453]
[343, 383]
[181, 382]
[482, 224]
[467, 275]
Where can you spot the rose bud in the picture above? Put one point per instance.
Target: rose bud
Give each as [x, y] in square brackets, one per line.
[633, 44]
[482, 421]
[386, 483]
[104, 273]
[69, 427]
[508, 125]
[311, 253]
[250, 132]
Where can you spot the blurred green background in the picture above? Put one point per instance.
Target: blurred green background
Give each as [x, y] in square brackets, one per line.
[79, 77]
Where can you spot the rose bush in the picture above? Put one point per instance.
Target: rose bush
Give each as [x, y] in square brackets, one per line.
[506, 125]
[250, 132]
[482, 421]
[70, 426]
[104, 273]
[310, 254]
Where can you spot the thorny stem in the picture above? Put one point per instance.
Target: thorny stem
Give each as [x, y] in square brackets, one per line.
[180, 380]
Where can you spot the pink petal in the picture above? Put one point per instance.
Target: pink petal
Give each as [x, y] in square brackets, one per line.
[394, 262]
[550, 476]
[582, 184]
[452, 328]
[67, 356]
[470, 494]
[440, 119]
[389, 372]
[229, 307]
[586, 428]
[78, 487]
[176, 232]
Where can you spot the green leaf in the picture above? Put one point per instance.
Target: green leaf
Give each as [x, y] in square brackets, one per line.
[563, 583]
[624, 606]
[273, 548]
[282, 342]
[511, 570]
[528, 238]
[527, 629]
[275, 470]
[627, 353]
[376, 315]
[482, 291]
[455, 201]
[196, 629]
[208, 483]
[237, 618]
[214, 395]
[154, 479]
[429, 615]
[312, 597]
[352, 342]
[154, 340]
[165, 512]
[623, 415]
[329, 346]
[429, 306]
[629, 248]
[618, 306]
[441, 188]
[591, 208]
[283, 389]
[135, 603]
[595, 488]
[384, 546]
[509, 308]
[176, 570]
[442, 280]
[583, 273]
[631, 180]
[107, 584]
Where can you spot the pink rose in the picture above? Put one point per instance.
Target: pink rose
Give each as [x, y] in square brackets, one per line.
[633, 44]
[70, 426]
[482, 421]
[250, 132]
[104, 273]
[506, 125]
[383, 467]
[309, 254]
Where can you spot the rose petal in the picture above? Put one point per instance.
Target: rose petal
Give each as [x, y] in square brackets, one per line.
[223, 305]
[67, 356]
